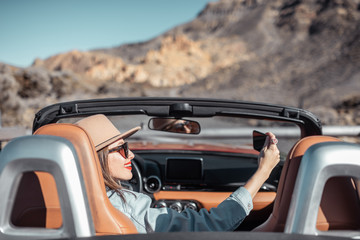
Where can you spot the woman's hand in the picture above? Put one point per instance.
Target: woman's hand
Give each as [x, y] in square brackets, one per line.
[268, 158]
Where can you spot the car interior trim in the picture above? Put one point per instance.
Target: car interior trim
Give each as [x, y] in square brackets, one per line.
[209, 200]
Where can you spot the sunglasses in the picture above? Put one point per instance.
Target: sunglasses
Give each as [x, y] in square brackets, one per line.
[122, 149]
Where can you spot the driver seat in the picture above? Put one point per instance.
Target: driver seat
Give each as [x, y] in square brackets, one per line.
[339, 207]
[106, 218]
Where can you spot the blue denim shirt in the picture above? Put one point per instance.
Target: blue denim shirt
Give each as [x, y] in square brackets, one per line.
[227, 216]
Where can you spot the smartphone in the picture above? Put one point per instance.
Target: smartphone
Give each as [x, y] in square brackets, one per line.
[258, 140]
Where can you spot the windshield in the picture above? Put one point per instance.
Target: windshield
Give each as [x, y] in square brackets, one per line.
[219, 131]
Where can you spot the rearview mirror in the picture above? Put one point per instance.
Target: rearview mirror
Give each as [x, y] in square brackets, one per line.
[174, 125]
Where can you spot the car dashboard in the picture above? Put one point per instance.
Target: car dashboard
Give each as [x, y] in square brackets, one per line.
[181, 179]
[200, 171]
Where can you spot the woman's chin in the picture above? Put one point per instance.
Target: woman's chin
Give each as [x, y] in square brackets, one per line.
[125, 178]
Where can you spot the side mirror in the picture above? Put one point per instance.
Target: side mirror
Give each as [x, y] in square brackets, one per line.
[174, 125]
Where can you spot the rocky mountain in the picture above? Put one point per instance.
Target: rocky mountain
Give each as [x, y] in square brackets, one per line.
[300, 53]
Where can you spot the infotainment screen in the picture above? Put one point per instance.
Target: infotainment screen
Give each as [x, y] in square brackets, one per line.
[184, 170]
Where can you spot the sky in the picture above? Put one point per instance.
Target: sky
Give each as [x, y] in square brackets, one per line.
[31, 29]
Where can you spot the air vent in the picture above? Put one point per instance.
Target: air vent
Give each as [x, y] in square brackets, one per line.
[153, 184]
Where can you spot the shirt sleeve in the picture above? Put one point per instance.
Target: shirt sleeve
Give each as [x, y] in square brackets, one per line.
[243, 197]
[227, 216]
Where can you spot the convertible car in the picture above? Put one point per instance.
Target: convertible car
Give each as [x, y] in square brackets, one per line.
[189, 153]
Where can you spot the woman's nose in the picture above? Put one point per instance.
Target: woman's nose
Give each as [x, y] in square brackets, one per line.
[131, 155]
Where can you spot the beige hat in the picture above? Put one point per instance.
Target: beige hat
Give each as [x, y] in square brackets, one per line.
[102, 131]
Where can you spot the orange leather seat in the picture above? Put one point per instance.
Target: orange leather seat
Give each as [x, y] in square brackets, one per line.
[34, 207]
[339, 207]
[106, 218]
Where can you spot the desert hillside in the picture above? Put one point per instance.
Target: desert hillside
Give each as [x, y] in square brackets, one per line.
[299, 53]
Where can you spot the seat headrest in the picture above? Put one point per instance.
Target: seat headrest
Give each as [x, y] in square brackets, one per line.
[107, 219]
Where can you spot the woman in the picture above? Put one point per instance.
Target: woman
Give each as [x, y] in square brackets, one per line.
[115, 159]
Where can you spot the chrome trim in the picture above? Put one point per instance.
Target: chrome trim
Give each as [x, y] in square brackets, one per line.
[319, 163]
[57, 156]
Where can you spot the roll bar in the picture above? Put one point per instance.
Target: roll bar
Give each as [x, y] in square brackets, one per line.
[58, 157]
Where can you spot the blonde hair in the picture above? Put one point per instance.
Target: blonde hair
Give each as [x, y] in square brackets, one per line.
[110, 182]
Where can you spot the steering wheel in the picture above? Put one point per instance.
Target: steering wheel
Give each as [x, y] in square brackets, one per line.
[135, 183]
